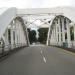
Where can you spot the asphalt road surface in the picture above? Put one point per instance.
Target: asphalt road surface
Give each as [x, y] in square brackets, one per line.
[39, 60]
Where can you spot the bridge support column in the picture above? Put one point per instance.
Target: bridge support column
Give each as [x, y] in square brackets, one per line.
[68, 34]
[6, 37]
[59, 32]
[56, 34]
[16, 36]
[63, 30]
[12, 39]
[52, 38]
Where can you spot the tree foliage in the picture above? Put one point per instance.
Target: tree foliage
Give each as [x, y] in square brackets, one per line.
[32, 36]
[43, 35]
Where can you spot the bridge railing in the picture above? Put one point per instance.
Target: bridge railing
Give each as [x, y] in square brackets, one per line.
[64, 45]
[7, 49]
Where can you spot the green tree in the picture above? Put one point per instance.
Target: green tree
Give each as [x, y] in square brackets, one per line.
[32, 36]
[43, 35]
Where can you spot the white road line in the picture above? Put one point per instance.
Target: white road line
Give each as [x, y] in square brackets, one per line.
[41, 51]
[44, 59]
[40, 48]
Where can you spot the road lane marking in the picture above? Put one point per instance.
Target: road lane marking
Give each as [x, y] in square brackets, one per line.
[41, 51]
[44, 59]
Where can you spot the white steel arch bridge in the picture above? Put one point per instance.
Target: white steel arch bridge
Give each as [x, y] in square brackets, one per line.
[61, 32]
[37, 59]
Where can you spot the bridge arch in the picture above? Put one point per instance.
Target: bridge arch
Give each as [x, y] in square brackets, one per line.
[61, 32]
[13, 32]
[16, 33]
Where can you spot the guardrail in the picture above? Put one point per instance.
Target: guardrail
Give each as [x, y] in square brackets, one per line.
[71, 47]
[6, 49]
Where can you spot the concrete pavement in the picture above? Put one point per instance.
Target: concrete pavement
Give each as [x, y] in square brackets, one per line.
[39, 60]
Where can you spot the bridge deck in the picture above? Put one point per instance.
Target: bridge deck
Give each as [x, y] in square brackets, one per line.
[39, 60]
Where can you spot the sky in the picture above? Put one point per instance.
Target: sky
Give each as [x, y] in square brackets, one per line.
[22, 4]
[36, 3]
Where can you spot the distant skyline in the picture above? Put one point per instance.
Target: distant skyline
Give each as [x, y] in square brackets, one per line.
[36, 3]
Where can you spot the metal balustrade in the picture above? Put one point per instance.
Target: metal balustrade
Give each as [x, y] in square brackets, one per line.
[64, 45]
